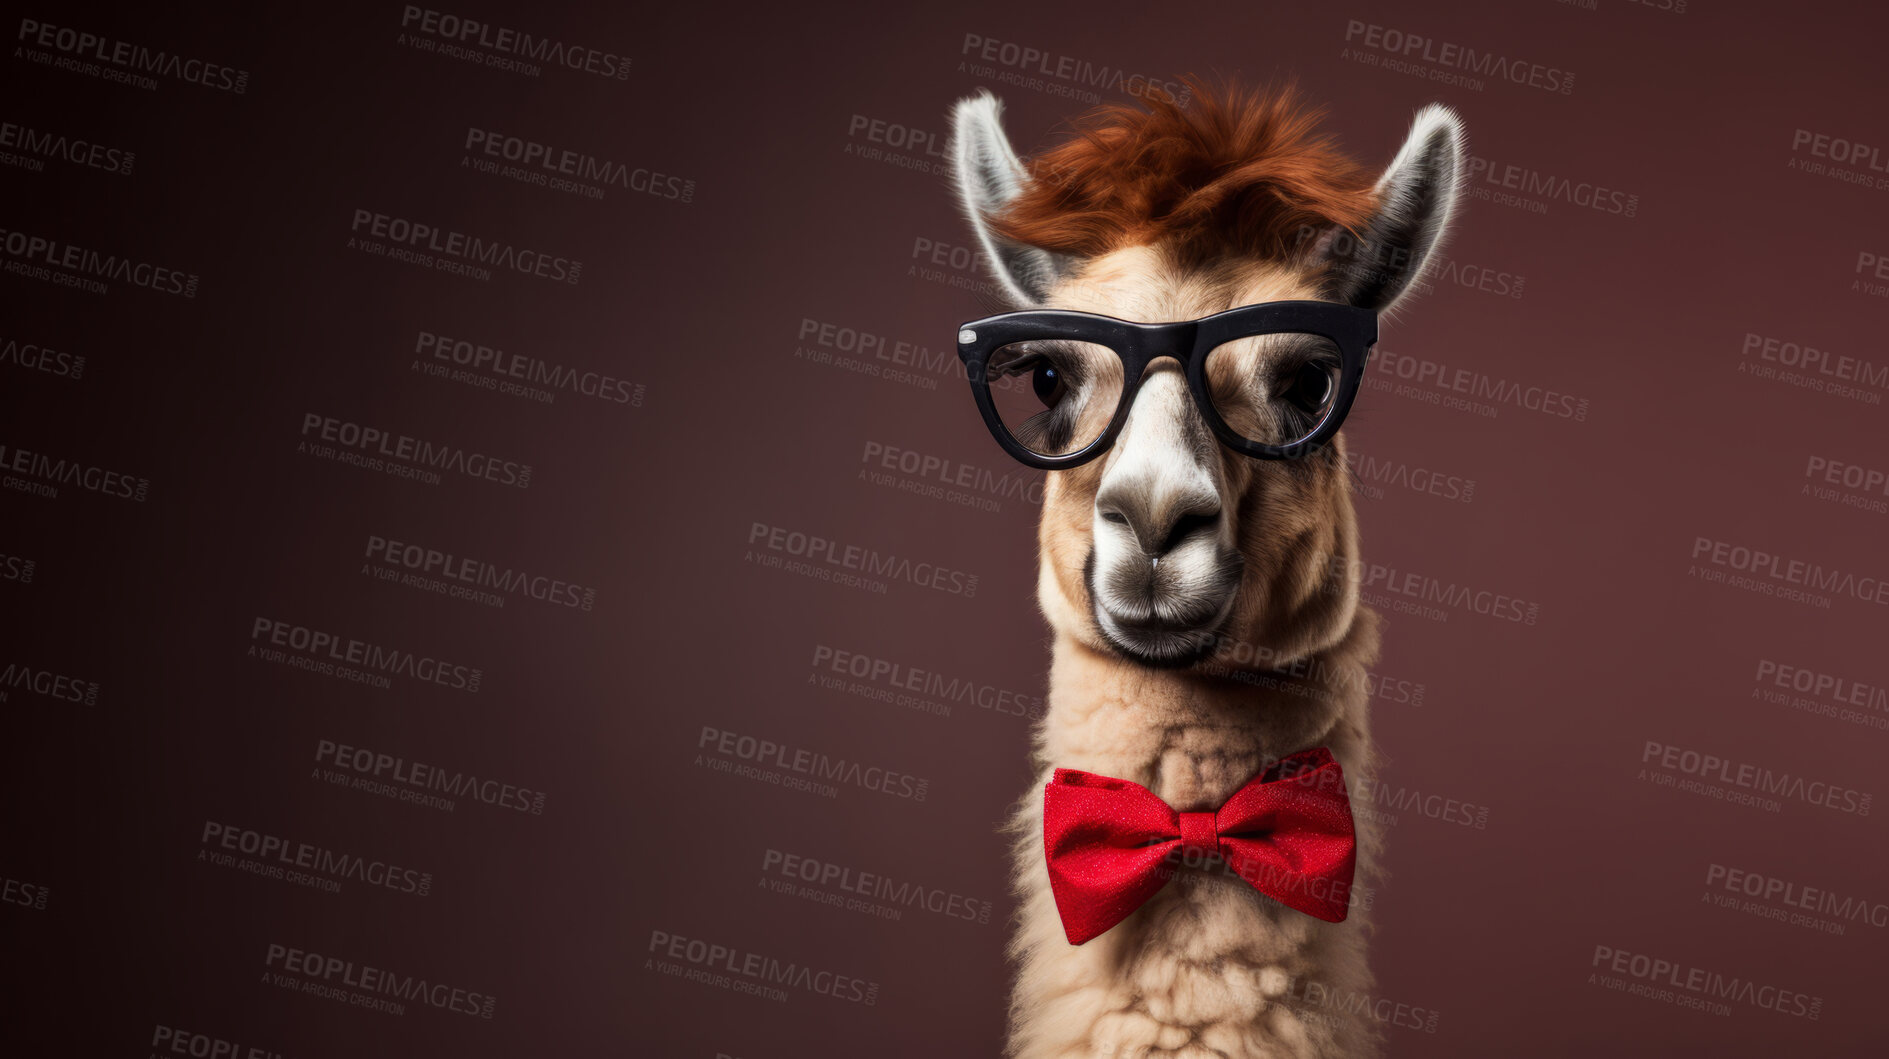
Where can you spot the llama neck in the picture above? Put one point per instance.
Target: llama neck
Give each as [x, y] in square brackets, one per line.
[1193, 736]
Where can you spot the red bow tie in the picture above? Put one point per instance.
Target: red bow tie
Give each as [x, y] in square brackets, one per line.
[1111, 843]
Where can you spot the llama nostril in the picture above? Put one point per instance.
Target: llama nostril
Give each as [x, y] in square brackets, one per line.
[1160, 527]
[1159, 520]
[1189, 524]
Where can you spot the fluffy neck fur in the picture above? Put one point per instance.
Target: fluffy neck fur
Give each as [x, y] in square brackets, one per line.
[1208, 967]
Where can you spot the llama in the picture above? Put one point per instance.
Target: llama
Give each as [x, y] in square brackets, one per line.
[1204, 626]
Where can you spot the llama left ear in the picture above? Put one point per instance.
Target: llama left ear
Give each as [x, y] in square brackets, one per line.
[989, 176]
[1416, 196]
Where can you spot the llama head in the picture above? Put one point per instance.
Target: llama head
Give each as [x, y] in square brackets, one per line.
[1170, 543]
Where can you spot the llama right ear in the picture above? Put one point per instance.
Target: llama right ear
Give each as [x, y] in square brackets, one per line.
[1415, 196]
[989, 176]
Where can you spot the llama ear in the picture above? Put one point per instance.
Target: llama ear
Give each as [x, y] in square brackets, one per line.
[1416, 196]
[989, 176]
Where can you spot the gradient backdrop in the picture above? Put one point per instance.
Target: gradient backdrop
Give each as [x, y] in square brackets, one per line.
[373, 617]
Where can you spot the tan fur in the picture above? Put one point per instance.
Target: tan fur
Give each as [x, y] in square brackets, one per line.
[1208, 966]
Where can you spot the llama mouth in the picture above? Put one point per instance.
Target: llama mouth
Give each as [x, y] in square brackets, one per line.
[1164, 630]
[1157, 646]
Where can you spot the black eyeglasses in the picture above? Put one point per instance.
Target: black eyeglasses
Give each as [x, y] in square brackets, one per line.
[1273, 380]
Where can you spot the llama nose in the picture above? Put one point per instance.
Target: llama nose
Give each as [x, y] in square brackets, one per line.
[1161, 519]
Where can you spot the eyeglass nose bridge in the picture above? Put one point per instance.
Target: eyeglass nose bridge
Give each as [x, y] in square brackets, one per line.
[1152, 342]
[1147, 345]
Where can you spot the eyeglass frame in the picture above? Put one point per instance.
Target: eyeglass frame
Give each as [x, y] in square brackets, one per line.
[1352, 329]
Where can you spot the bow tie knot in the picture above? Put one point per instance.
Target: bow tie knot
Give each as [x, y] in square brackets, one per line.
[1110, 843]
[1199, 833]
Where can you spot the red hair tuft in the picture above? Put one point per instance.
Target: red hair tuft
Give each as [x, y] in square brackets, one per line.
[1240, 173]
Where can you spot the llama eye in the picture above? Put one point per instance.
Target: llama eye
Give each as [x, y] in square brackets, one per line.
[1309, 387]
[1046, 364]
[1048, 383]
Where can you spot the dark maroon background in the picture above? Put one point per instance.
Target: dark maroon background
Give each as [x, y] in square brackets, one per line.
[701, 303]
